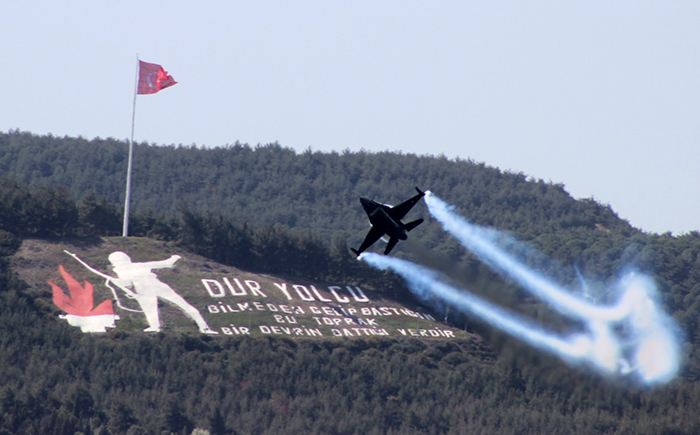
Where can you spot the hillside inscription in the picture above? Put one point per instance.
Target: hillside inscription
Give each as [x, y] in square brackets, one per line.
[230, 305]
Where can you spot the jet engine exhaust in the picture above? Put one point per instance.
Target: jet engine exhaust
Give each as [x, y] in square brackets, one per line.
[632, 337]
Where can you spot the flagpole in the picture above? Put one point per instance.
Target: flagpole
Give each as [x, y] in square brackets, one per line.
[127, 200]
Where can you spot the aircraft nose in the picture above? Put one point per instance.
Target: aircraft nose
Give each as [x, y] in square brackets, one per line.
[369, 205]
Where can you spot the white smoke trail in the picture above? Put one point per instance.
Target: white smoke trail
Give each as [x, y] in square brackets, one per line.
[425, 283]
[480, 241]
[632, 337]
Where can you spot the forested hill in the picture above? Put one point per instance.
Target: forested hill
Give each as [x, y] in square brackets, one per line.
[246, 205]
[311, 190]
[268, 210]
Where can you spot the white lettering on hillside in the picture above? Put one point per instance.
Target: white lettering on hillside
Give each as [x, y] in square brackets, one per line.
[307, 293]
[293, 331]
[310, 311]
[434, 332]
[358, 332]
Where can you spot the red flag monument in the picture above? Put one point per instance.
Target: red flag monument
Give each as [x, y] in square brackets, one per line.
[150, 79]
[153, 78]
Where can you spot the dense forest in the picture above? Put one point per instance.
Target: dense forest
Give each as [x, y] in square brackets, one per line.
[313, 190]
[271, 210]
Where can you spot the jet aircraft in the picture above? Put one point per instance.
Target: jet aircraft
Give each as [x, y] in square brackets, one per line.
[386, 219]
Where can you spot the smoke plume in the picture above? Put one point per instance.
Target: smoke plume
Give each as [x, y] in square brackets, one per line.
[631, 337]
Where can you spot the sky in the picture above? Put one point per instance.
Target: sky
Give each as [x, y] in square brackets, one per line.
[602, 97]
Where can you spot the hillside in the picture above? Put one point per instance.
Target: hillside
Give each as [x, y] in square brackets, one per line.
[232, 301]
[270, 184]
[260, 229]
[57, 379]
[267, 209]
[286, 349]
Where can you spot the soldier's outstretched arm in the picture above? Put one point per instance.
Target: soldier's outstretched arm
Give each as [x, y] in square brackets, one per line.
[162, 264]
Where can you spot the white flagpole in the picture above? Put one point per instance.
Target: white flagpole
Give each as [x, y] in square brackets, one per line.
[125, 231]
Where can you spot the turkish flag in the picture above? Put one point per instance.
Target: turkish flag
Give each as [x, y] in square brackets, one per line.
[153, 78]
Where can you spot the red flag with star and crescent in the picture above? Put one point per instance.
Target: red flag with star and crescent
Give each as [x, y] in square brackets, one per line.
[153, 78]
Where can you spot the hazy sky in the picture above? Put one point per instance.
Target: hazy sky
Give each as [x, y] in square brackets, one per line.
[601, 96]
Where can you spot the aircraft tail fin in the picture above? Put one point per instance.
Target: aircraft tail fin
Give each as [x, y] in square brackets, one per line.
[419, 191]
[411, 225]
[355, 252]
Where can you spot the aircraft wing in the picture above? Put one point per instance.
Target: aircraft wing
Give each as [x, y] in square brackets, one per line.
[392, 242]
[398, 211]
[373, 235]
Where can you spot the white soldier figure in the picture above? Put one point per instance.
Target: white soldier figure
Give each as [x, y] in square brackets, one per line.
[147, 287]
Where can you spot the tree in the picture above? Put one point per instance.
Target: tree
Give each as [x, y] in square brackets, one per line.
[174, 418]
[98, 217]
[217, 424]
[121, 418]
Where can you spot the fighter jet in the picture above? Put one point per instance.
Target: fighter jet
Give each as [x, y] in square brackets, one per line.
[386, 219]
